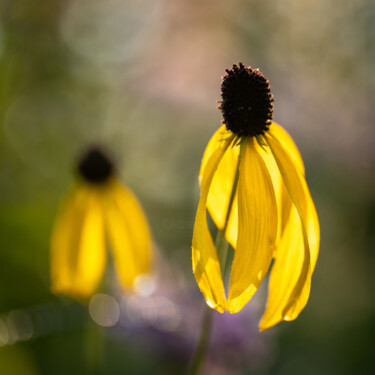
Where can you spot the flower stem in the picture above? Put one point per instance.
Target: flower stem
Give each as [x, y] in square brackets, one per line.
[222, 249]
[201, 349]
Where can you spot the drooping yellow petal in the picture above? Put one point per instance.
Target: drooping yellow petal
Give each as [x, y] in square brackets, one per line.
[222, 184]
[218, 137]
[206, 265]
[297, 251]
[231, 233]
[286, 140]
[277, 184]
[129, 234]
[283, 201]
[285, 272]
[78, 251]
[257, 228]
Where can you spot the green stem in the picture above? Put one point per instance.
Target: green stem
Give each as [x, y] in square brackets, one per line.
[201, 350]
[94, 347]
[222, 249]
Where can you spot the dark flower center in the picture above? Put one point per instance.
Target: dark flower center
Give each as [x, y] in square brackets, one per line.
[95, 167]
[247, 101]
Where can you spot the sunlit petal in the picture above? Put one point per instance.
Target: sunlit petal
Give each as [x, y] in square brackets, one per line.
[285, 272]
[206, 265]
[78, 252]
[286, 140]
[128, 232]
[282, 197]
[221, 186]
[298, 249]
[257, 228]
[213, 144]
[277, 184]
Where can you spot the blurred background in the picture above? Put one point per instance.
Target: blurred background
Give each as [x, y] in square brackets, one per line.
[141, 78]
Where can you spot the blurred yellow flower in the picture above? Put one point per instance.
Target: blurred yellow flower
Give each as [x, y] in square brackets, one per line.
[253, 184]
[98, 209]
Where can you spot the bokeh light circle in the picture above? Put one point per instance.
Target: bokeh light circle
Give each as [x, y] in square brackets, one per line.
[104, 310]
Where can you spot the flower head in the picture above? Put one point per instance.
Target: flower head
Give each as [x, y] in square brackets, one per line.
[247, 101]
[253, 185]
[98, 210]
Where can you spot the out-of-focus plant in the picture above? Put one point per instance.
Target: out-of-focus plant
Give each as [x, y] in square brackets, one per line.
[98, 206]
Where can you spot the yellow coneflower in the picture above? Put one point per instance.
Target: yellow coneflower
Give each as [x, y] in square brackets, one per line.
[98, 210]
[253, 185]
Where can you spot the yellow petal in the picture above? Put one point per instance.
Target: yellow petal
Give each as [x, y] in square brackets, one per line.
[216, 140]
[277, 184]
[285, 272]
[282, 197]
[78, 252]
[286, 140]
[297, 251]
[206, 265]
[221, 186]
[129, 234]
[231, 233]
[257, 228]
[284, 204]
